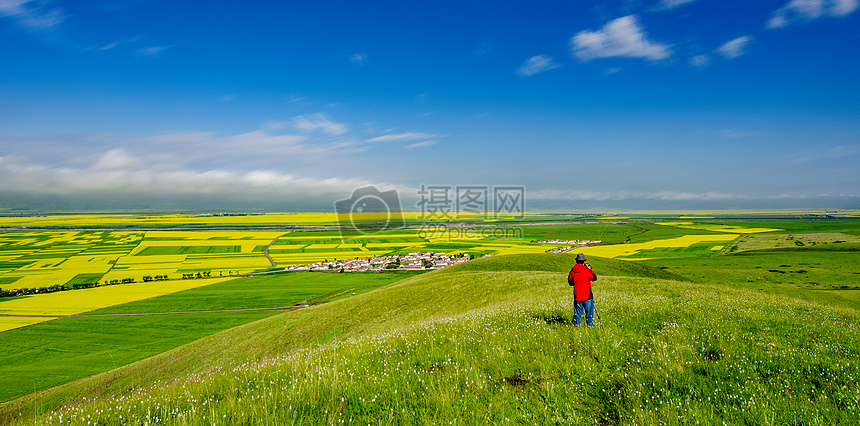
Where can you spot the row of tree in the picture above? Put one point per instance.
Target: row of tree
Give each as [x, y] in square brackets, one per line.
[26, 291]
[148, 278]
[206, 274]
[76, 286]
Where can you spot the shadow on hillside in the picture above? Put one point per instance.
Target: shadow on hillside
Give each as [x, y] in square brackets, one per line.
[552, 318]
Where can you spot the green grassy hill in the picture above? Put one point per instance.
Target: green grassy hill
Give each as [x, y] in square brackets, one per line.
[824, 273]
[492, 341]
[561, 263]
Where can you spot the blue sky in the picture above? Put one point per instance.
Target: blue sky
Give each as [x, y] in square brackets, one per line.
[662, 104]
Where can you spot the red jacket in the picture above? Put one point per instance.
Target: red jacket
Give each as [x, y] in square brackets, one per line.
[581, 277]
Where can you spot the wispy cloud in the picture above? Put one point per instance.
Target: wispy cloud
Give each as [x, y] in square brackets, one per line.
[671, 4]
[108, 46]
[406, 136]
[734, 48]
[537, 64]
[258, 166]
[421, 144]
[151, 51]
[31, 15]
[620, 37]
[358, 58]
[700, 61]
[310, 123]
[120, 178]
[839, 151]
[809, 10]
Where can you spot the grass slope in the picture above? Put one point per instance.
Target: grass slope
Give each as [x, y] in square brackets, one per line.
[57, 352]
[826, 273]
[405, 302]
[261, 291]
[30, 359]
[561, 263]
[466, 345]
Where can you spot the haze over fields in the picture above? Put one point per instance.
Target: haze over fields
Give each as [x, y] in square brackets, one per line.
[291, 105]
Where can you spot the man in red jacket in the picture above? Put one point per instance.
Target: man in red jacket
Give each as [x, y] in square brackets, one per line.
[580, 277]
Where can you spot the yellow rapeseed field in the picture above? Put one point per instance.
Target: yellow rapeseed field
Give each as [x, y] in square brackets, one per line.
[718, 228]
[317, 218]
[177, 252]
[64, 303]
[11, 323]
[55, 258]
[625, 250]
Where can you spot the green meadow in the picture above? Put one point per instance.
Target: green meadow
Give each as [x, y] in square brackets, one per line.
[56, 352]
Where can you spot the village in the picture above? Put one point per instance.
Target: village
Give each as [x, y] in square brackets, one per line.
[565, 249]
[414, 261]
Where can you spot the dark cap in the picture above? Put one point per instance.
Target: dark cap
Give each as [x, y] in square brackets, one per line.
[580, 256]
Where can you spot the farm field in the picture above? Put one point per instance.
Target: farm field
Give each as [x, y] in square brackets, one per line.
[216, 220]
[685, 246]
[774, 241]
[57, 352]
[261, 291]
[287, 219]
[173, 253]
[311, 246]
[41, 259]
[827, 274]
[89, 344]
[33, 259]
[736, 229]
[49, 306]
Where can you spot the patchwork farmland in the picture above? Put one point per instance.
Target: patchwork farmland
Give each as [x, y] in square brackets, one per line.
[32, 259]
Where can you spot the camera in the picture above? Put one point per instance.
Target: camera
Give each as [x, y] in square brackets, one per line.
[368, 211]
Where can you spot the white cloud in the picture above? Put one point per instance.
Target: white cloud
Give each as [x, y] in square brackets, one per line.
[700, 61]
[151, 51]
[406, 136]
[421, 144]
[358, 58]
[109, 46]
[843, 7]
[671, 4]
[839, 151]
[31, 16]
[310, 123]
[115, 159]
[537, 64]
[810, 10]
[620, 37]
[149, 180]
[734, 48]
